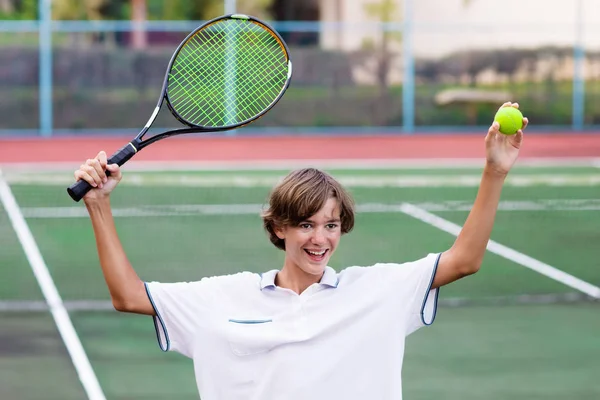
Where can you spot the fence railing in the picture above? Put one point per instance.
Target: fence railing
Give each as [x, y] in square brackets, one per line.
[82, 76]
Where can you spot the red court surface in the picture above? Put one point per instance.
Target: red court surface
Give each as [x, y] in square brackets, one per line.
[373, 147]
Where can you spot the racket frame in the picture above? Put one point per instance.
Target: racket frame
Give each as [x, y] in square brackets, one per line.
[139, 144]
[121, 156]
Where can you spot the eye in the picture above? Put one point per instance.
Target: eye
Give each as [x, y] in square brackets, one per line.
[332, 226]
[305, 225]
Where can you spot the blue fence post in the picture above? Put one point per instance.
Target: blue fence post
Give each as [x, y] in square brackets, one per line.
[408, 80]
[45, 66]
[230, 8]
[578, 75]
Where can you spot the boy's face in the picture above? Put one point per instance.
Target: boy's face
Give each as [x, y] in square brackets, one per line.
[309, 245]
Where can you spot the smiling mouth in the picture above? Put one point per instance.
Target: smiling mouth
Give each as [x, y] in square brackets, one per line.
[316, 255]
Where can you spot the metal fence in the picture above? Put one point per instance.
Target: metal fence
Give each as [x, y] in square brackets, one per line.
[83, 76]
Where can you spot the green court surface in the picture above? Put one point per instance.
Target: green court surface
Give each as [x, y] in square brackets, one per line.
[34, 363]
[507, 332]
[16, 282]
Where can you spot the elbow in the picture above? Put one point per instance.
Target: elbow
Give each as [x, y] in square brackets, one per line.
[463, 263]
[120, 305]
[128, 299]
[470, 268]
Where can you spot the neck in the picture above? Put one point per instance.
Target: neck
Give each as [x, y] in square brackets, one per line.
[295, 279]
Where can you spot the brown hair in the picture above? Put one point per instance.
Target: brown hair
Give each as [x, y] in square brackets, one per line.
[300, 195]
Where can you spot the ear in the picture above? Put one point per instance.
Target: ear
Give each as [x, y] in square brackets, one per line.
[279, 231]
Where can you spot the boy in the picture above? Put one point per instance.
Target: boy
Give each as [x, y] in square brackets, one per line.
[305, 331]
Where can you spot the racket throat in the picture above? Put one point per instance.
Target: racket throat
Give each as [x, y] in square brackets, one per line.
[122, 155]
[152, 117]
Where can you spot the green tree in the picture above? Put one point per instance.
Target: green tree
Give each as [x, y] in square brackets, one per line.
[256, 8]
[384, 11]
[207, 9]
[89, 9]
[18, 9]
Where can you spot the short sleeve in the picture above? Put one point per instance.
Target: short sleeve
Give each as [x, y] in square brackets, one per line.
[179, 309]
[411, 287]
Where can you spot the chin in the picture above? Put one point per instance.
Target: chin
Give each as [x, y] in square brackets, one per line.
[315, 269]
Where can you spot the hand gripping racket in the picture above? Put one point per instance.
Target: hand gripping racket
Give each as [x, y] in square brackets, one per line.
[225, 74]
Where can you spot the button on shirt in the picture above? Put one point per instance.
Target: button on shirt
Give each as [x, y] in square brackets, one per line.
[342, 338]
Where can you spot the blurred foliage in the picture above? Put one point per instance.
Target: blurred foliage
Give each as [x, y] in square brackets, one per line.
[96, 85]
[184, 9]
[18, 9]
[89, 9]
[384, 11]
[167, 10]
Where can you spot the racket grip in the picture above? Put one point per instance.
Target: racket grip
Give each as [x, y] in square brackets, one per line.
[80, 188]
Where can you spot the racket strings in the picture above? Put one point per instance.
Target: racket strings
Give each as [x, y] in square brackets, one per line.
[270, 89]
[249, 98]
[184, 74]
[227, 73]
[186, 82]
[215, 79]
[276, 70]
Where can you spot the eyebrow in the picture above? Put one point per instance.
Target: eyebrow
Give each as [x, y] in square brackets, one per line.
[328, 221]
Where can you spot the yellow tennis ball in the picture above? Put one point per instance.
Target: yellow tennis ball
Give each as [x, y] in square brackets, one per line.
[510, 120]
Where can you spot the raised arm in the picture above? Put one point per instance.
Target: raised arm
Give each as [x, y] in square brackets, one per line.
[127, 290]
[466, 254]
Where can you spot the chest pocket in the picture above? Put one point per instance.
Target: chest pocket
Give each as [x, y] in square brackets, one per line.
[255, 336]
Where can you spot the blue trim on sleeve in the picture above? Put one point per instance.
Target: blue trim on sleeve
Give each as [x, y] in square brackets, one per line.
[437, 292]
[162, 323]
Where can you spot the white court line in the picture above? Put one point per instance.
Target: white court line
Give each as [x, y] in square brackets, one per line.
[255, 209]
[359, 164]
[506, 252]
[359, 181]
[55, 303]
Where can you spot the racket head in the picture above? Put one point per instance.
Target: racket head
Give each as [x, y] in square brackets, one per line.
[227, 73]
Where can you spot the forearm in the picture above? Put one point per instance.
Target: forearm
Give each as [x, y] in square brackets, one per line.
[470, 245]
[120, 276]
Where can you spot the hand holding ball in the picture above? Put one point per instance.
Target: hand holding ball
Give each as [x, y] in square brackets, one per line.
[510, 120]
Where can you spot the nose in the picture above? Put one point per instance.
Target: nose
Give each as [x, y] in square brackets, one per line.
[318, 237]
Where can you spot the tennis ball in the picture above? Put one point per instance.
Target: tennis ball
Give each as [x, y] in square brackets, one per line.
[510, 119]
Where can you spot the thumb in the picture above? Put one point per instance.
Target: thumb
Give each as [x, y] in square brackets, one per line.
[115, 171]
[495, 128]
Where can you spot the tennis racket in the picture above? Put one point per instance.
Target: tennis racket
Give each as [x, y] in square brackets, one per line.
[225, 74]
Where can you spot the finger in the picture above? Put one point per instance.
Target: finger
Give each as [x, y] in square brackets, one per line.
[515, 105]
[102, 158]
[81, 175]
[525, 122]
[91, 167]
[98, 168]
[519, 137]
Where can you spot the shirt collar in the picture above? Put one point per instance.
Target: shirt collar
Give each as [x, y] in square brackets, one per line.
[329, 278]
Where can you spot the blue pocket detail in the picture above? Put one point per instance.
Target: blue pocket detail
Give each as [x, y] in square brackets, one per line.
[250, 321]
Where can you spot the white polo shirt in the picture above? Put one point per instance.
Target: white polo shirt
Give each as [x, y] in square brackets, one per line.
[342, 338]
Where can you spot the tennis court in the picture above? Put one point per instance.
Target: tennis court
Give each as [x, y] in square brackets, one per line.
[509, 332]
